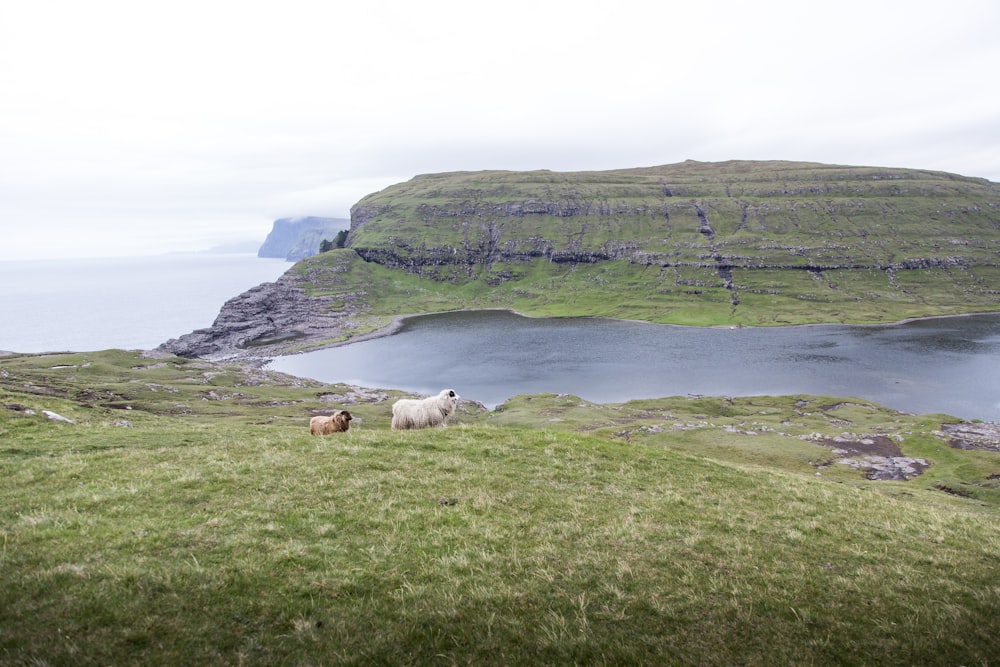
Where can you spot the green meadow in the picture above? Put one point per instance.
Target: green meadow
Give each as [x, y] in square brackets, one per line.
[186, 516]
[373, 295]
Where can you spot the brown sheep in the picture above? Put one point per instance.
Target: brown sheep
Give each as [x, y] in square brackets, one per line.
[324, 425]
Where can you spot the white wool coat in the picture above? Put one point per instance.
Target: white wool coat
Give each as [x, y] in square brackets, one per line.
[411, 413]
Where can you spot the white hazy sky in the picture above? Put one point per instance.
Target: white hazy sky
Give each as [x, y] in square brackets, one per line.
[144, 126]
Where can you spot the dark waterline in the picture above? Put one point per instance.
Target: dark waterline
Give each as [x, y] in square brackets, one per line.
[948, 365]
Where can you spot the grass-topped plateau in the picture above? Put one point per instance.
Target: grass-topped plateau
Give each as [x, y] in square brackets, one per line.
[706, 244]
[740, 242]
[186, 516]
[725, 244]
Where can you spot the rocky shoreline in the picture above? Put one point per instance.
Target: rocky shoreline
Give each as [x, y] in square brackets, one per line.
[279, 318]
[270, 320]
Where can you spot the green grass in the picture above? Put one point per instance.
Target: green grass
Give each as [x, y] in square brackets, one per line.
[553, 531]
[773, 432]
[673, 295]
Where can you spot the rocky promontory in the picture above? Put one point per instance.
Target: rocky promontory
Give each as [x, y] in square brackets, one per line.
[264, 321]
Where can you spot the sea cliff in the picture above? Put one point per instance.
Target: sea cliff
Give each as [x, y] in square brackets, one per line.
[298, 238]
[733, 243]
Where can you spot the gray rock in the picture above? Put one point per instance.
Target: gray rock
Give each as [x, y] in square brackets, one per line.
[266, 321]
[57, 417]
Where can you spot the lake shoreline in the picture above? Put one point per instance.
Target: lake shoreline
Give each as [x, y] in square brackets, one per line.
[492, 354]
[254, 359]
[398, 321]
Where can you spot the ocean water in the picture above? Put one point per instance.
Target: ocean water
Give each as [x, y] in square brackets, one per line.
[128, 303]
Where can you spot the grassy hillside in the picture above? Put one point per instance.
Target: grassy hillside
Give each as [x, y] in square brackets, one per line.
[369, 295]
[186, 516]
[754, 243]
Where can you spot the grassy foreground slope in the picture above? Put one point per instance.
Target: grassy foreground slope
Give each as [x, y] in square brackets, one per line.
[757, 243]
[186, 516]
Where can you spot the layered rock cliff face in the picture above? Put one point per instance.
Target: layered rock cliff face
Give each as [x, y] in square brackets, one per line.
[298, 238]
[758, 242]
[288, 315]
[267, 320]
[726, 216]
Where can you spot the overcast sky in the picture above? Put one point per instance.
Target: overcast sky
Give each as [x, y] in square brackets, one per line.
[140, 127]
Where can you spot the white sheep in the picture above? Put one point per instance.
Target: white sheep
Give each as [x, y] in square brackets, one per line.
[409, 413]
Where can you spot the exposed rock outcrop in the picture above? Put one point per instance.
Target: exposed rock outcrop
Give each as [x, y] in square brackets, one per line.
[973, 435]
[879, 456]
[263, 321]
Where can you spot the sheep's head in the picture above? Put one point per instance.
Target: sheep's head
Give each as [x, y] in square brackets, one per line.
[343, 417]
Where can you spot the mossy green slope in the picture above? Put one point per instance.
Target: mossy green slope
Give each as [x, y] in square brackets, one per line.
[187, 517]
[695, 243]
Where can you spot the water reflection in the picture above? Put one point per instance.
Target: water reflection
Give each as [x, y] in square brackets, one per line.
[942, 365]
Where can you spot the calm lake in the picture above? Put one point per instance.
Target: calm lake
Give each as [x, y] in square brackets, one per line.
[949, 365]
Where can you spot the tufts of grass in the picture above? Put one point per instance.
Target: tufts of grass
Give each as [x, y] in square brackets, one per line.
[482, 544]
[675, 530]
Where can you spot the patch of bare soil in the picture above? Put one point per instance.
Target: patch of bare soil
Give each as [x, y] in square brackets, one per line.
[877, 455]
